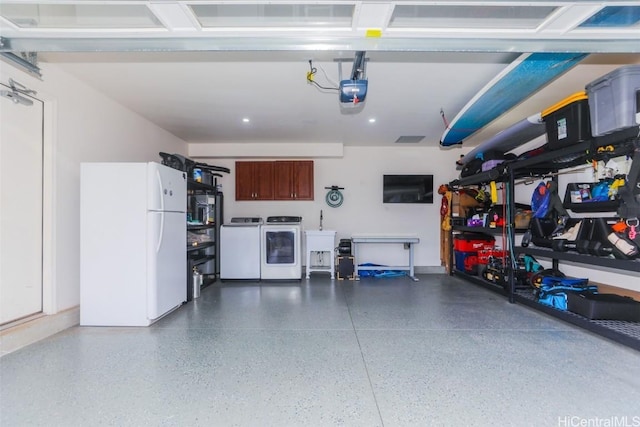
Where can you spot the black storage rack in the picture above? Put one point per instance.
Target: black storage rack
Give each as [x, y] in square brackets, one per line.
[626, 141]
[198, 254]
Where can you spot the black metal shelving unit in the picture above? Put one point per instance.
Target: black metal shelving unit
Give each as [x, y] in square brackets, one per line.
[625, 142]
[200, 227]
[618, 264]
[627, 333]
[200, 186]
[204, 217]
[485, 230]
[477, 279]
[200, 246]
[204, 254]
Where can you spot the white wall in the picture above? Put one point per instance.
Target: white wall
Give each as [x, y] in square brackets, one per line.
[81, 125]
[360, 172]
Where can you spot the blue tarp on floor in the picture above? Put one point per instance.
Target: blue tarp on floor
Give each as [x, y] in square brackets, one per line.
[379, 273]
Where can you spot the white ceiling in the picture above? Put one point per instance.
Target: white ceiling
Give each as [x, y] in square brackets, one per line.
[203, 97]
[201, 94]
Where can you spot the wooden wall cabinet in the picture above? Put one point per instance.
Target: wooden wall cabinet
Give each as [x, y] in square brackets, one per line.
[293, 180]
[276, 180]
[254, 180]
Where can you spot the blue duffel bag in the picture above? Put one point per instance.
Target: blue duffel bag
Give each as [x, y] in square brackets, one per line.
[553, 290]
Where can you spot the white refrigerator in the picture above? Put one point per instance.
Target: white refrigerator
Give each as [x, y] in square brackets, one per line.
[133, 239]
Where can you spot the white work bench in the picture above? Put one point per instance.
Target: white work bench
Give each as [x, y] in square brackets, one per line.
[407, 240]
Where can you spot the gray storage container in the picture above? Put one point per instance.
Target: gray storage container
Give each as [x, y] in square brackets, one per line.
[613, 100]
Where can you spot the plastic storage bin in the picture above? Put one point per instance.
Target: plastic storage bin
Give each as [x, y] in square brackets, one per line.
[613, 100]
[567, 122]
[467, 262]
[472, 242]
[604, 306]
[579, 197]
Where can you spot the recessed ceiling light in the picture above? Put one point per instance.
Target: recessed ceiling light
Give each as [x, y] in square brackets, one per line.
[245, 120]
[372, 120]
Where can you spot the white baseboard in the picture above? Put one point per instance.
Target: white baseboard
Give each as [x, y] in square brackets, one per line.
[35, 329]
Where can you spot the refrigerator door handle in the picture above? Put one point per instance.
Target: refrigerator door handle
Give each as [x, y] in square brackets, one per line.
[160, 232]
[160, 191]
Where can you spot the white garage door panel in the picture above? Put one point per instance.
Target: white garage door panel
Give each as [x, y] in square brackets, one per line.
[20, 209]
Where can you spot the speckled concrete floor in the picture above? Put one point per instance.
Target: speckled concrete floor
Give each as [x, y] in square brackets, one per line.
[379, 352]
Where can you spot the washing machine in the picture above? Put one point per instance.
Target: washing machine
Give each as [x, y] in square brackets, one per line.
[281, 241]
[240, 249]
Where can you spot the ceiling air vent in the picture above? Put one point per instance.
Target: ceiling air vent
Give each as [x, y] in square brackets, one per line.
[411, 139]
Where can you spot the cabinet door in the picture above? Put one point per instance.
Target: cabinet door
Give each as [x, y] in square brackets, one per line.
[283, 180]
[244, 181]
[263, 180]
[303, 180]
[293, 180]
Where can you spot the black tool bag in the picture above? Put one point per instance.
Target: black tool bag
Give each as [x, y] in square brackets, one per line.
[344, 247]
[474, 166]
[471, 168]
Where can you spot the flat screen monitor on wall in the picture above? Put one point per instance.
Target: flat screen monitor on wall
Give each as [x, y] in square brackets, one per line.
[407, 189]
